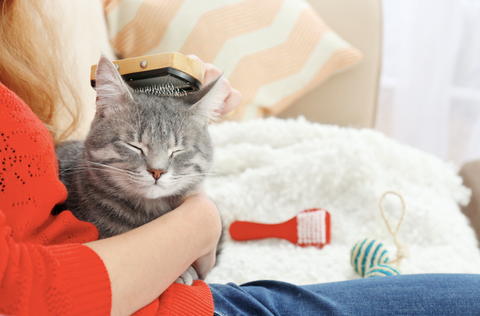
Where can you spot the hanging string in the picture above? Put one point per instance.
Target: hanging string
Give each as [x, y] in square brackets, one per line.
[402, 250]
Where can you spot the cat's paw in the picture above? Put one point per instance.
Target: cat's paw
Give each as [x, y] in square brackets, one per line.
[188, 276]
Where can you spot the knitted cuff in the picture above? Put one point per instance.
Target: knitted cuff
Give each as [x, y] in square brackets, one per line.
[181, 299]
[85, 279]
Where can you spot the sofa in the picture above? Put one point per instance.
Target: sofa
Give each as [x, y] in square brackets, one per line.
[269, 170]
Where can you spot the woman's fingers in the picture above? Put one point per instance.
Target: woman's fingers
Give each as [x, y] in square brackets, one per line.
[211, 73]
[204, 264]
[233, 99]
[197, 59]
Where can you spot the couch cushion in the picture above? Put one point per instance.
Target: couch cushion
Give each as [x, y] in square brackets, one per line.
[272, 51]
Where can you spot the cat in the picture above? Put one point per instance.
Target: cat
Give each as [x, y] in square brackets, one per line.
[142, 156]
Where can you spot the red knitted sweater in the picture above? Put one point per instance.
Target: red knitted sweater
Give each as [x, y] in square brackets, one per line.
[44, 268]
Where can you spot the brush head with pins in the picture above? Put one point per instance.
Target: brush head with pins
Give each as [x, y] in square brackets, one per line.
[168, 74]
[162, 89]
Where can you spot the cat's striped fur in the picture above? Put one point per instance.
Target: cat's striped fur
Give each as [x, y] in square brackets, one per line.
[142, 156]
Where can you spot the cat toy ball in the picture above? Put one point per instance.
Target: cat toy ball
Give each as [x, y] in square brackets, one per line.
[309, 228]
[369, 258]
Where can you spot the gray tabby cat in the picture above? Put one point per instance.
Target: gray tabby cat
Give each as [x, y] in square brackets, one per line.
[142, 156]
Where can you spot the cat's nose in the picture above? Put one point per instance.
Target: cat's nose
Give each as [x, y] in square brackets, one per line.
[156, 173]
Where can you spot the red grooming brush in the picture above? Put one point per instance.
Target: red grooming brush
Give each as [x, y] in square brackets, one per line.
[309, 228]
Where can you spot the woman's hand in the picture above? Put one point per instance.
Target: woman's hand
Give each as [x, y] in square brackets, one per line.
[212, 73]
[205, 263]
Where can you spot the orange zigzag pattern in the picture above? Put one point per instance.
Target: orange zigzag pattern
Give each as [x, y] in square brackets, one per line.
[109, 5]
[258, 69]
[214, 28]
[147, 29]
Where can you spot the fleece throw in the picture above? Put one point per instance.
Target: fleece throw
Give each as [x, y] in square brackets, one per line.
[269, 170]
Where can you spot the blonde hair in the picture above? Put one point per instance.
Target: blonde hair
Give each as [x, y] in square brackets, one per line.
[32, 64]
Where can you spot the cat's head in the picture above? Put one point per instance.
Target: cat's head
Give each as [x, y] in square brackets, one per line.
[150, 146]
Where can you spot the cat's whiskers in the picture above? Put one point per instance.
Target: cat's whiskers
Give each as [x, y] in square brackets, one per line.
[187, 176]
[81, 169]
[112, 167]
[177, 187]
[203, 174]
[185, 181]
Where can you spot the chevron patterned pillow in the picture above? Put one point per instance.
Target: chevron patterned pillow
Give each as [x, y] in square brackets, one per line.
[272, 51]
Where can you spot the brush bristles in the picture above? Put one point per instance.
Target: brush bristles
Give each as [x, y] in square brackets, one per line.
[311, 228]
[165, 90]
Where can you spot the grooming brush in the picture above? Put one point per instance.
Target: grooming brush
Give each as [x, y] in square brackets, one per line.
[167, 74]
[308, 228]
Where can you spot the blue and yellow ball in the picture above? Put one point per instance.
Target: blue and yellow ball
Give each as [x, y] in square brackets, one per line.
[369, 258]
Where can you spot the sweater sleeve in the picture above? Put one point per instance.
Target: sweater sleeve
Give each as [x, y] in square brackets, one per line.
[181, 300]
[44, 269]
[51, 280]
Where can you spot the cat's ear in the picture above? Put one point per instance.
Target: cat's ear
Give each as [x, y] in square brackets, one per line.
[208, 101]
[112, 92]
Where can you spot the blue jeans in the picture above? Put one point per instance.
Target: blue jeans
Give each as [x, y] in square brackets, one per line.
[429, 294]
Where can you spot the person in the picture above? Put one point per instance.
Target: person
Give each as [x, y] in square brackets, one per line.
[54, 264]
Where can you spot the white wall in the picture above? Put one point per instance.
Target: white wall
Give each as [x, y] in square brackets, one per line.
[430, 84]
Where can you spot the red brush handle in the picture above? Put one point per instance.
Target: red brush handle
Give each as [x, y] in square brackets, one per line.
[288, 230]
[246, 230]
[328, 226]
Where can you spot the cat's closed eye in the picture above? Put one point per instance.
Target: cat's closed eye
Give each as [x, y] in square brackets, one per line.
[136, 148]
[174, 151]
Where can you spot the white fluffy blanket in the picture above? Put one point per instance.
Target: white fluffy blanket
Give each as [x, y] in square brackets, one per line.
[270, 170]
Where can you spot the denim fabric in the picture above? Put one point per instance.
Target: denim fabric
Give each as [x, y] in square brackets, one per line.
[429, 294]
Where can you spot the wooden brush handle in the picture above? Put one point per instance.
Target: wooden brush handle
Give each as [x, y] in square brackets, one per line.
[166, 60]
